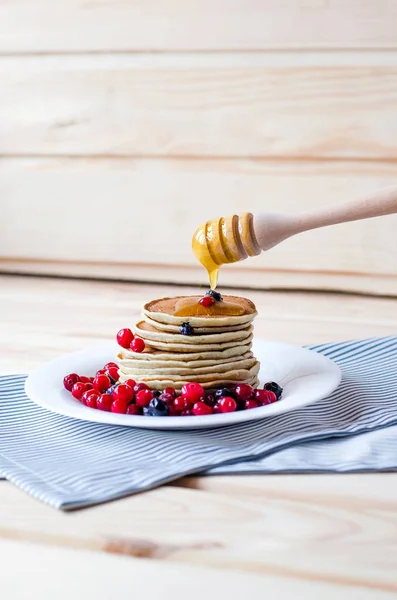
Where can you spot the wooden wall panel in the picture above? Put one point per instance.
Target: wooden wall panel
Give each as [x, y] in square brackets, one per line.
[116, 106]
[163, 25]
[135, 219]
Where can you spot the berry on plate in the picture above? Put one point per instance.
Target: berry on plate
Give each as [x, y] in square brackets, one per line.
[131, 383]
[91, 400]
[104, 402]
[133, 409]
[264, 397]
[119, 406]
[70, 380]
[272, 386]
[123, 392]
[244, 391]
[201, 409]
[125, 337]
[156, 408]
[113, 374]
[250, 404]
[227, 404]
[78, 390]
[192, 392]
[181, 403]
[144, 397]
[101, 383]
[110, 365]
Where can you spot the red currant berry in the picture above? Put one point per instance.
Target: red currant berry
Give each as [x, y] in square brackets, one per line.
[113, 372]
[199, 409]
[138, 387]
[92, 399]
[193, 391]
[100, 372]
[143, 397]
[207, 301]
[131, 383]
[244, 391]
[137, 345]
[227, 404]
[70, 380]
[172, 412]
[84, 379]
[101, 383]
[180, 404]
[170, 391]
[104, 402]
[133, 409]
[86, 395]
[110, 365]
[119, 406]
[186, 413]
[216, 409]
[250, 404]
[124, 338]
[264, 397]
[88, 386]
[168, 398]
[123, 392]
[78, 390]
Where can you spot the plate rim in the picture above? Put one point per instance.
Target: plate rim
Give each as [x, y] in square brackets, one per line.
[193, 422]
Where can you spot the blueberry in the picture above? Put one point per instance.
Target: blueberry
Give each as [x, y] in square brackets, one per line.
[186, 329]
[272, 386]
[224, 392]
[156, 408]
[156, 393]
[215, 295]
[111, 389]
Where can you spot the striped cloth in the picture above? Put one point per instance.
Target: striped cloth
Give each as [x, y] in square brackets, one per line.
[69, 463]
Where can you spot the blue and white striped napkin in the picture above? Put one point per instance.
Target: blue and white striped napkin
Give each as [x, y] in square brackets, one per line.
[69, 463]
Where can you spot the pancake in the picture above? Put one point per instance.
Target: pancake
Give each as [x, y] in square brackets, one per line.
[153, 354]
[189, 371]
[197, 330]
[179, 364]
[149, 333]
[162, 311]
[186, 348]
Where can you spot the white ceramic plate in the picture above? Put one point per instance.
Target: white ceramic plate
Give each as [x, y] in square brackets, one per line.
[305, 376]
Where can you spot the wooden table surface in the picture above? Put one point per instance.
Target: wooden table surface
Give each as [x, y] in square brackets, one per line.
[270, 536]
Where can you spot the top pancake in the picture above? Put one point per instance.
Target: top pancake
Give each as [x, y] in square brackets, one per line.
[162, 311]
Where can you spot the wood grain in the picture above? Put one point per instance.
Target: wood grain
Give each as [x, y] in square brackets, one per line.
[115, 106]
[88, 25]
[134, 219]
[41, 319]
[317, 534]
[295, 536]
[32, 570]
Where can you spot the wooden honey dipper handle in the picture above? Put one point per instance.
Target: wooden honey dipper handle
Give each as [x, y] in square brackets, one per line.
[271, 228]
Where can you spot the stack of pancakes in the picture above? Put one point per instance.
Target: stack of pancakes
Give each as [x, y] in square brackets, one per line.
[217, 353]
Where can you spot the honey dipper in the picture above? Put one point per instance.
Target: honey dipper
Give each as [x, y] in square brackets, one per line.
[234, 238]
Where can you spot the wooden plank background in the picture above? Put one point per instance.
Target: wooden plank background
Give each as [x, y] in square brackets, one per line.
[119, 25]
[123, 126]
